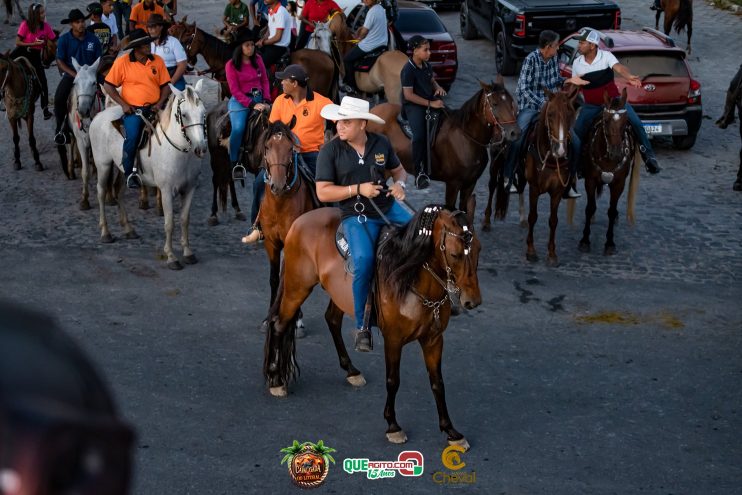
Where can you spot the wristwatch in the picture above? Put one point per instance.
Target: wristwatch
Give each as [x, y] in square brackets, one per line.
[402, 184]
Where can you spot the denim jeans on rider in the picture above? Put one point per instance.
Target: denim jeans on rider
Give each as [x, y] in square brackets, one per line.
[416, 117]
[133, 125]
[524, 119]
[362, 241]
[238, 115]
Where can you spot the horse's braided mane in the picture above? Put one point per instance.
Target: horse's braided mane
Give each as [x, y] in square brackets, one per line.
[402, 256]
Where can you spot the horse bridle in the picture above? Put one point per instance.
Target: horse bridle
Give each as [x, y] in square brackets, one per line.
[187, 44]
[494, 122]
[294, 160]
[179, 119]
[615, 115]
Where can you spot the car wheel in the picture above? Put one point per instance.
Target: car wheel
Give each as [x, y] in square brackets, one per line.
[468, 30]
[503, 59]
[684, 142]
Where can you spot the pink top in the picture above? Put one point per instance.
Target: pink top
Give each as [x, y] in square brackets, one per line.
[45, 33]
[241, 83]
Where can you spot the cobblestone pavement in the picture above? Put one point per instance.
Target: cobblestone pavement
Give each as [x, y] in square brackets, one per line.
[605, 375]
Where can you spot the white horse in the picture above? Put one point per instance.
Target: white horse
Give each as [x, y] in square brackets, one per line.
[321, 38]
[181, 128]
[83, 106]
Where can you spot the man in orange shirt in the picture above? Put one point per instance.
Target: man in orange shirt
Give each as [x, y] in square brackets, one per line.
[143, 79]
[140, 14]
[298, 102]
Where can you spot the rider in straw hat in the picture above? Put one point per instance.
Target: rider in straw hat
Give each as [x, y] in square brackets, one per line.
[351, 170]
[143, 79]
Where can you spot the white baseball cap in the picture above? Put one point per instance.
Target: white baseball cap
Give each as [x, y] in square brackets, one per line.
[591, 37]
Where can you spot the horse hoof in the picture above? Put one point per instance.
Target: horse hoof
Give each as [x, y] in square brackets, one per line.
[300, 333]
[106, 239]
[240, 216]
[144, 205]
[279, 391]
[532, 257]
[17, 166]
[84, 205]
[609, 250]
[131, 235]
[552, 262]
[174, 265]
[356, 380]
[397, 437]
[264, 326]
[584, 247]
[212, 221]
[39, 167]
[461, 443]
[486, 227]
[190, 259]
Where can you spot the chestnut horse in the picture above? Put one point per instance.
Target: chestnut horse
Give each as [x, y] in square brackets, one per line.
[384, 74]
[678, 14]
[422, 270]
[608, 157]
[459, 153]
[546, 167]
[22, 88]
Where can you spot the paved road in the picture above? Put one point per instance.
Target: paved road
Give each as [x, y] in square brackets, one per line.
[604, 375]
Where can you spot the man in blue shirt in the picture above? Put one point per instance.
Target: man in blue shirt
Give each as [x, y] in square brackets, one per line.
[85, 48]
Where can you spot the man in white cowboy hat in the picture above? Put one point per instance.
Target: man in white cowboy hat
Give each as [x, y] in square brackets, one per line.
[351, 171]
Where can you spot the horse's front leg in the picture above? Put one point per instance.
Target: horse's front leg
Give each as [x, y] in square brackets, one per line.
[617, 188]
[452, 191]
[32, 143]
[392, 356]
[590, 187]
[16, 144]
[432, 353]
[657, 19]
[186, 198]
[85, 173]
[235, 205]
[144, 198]
[273, 250]
[167, 203]
[104, 171]
[492, 184]
[533, 194]
[464, 198]
[556, 198]
[334, 319]
[689, 27]
[214, 219]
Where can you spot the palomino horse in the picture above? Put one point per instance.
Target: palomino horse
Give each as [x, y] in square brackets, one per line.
[384, 74]
[22, 88]
[678, 13]
[319, 66]
[423, 269]
[546, 160]
[83, 105]
[608, 158]
[459, 153]
[181, 128]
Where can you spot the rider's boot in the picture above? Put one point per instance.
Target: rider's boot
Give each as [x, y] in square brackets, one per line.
[650, 161]
[254, 235]
[363, 341]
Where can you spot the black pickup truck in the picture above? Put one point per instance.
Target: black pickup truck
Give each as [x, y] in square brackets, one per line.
[514, 25]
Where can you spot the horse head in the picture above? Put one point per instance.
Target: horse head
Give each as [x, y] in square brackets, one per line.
[279, 159]
[499, 110]
[337, 24]
[85, 86]
[559, 115]
[49, 51]
[615, 119]
[321, 38]
[188, 112]
[187, 34]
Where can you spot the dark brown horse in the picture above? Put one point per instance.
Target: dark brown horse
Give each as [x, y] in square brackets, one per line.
[608, 157]
[546, 163]
[459, 153]
[678, 14]
[734, 101]
[422, 270]
[22, 88]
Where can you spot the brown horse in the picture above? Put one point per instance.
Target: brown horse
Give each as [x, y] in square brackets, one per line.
[319, 66]
[459, 153]
[546, 163]
[678, 14]
[608, 158]
[22, 88]
[422, 270]
[384, 74]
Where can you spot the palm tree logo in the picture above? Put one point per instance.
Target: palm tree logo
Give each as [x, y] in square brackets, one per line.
[308, 463]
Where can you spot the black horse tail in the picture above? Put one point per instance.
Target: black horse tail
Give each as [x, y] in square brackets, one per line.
[684, 17]
[279, 355]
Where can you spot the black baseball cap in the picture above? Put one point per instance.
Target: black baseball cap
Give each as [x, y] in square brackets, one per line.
[294, 71]
[94, 8]
[75, 15]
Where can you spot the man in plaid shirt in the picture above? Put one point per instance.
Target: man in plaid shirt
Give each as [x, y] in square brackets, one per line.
[540, 70]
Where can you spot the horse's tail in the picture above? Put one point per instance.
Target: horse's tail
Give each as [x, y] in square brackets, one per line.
[280, 351]
[684, 17]
[222, 192]
[633, 187]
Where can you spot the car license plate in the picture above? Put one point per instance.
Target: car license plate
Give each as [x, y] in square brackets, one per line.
[653, 128]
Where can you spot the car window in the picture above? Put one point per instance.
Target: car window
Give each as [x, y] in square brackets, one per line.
[660, 64]
[420, 21]
[567, 51]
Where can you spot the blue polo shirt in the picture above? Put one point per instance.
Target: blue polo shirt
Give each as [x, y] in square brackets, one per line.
[86, 51]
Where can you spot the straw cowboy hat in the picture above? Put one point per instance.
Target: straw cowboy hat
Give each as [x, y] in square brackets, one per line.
[349, 109]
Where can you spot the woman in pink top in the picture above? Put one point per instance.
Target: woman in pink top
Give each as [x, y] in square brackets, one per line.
[32, 34]
[248, 83]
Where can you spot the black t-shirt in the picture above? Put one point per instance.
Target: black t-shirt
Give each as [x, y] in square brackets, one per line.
[339, 163]
[419, 79]
[103, 33]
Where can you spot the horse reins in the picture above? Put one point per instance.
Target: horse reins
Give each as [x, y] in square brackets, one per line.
[625, 138]
[294, 161]
[179, 119]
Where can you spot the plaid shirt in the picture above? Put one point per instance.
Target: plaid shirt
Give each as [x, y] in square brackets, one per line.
[535, 75]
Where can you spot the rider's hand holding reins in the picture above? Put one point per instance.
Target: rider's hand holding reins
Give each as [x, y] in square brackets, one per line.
[436, 104]
[370, 190]
[396, 191]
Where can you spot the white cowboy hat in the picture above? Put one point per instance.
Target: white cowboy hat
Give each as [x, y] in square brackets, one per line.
[350, 108]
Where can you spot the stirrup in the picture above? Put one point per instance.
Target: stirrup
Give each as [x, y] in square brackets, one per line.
[422, 181]
[239, 172]
[364, 342]
[60, 138]
[133, 181]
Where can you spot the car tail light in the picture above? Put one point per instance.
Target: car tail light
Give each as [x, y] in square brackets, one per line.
[617, 20]
[694, 93]
[520, 25]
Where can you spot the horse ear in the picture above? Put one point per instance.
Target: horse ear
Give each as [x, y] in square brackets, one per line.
[499, 80]
[184, 20]
[75, 65]
[292, 123]
[471, 205]
[483, 85]
[95, 65]
[175, 90]
[606, 98]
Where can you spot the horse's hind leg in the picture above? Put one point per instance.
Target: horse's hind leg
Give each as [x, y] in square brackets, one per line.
[32, 144]
[85, 173]
[689, 27]
[432, 352]
[334, 319]
[16, 144]
[186, 199]
[533, 194]
[657, 19]
[144, 198]
[237, 212]
[104, 171]
[590, 187]
[616, 191]
[556, 198]
[172, 262]
[214, 219]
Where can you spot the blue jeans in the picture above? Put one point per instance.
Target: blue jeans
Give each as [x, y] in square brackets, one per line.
[524, 119]
[180, 84]
[122, 12]
[310, 159]
[133, 125]
[258, 191]
[362, 241]
[238, 116]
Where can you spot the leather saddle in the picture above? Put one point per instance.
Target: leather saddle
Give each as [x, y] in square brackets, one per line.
[435, 122]
[144, 138]
[343, 246]
[365, 64]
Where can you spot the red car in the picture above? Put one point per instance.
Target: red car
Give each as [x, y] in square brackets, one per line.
[669, 103]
